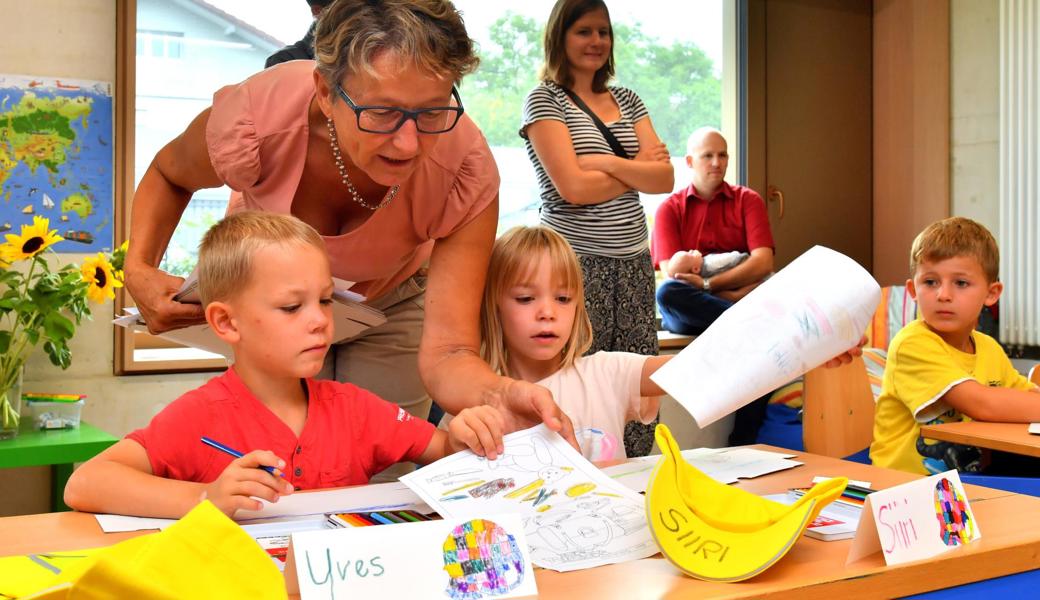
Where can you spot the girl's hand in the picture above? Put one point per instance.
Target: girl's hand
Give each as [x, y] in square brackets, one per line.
[846, 357]
[243, 481]
[478, 428]
[524, 405]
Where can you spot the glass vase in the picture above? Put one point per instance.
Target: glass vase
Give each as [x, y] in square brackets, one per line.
[11, 404]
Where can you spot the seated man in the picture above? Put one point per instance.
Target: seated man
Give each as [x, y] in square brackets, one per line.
[694, 225]
[707, 223]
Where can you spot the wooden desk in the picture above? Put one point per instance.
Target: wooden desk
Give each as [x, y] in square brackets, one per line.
[59, 448]
[812, 569]
[1007, 437]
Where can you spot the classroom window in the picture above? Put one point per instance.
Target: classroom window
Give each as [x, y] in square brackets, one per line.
[160, 44]
[681, 65]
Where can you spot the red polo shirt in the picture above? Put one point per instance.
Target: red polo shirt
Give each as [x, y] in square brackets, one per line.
[350, 434]
[734, 219]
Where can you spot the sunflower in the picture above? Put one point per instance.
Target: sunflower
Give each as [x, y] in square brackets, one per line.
[34, 239]
[99, 274]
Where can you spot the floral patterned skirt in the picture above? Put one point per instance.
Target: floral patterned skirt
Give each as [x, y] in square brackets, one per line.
[619, 297]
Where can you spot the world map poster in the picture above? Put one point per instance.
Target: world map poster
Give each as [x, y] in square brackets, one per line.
[56, 158]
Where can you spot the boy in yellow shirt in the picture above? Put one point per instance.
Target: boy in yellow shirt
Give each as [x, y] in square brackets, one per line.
[940, 370]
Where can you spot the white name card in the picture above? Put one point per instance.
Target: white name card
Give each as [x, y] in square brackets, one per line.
[915, 520]
[457, 559]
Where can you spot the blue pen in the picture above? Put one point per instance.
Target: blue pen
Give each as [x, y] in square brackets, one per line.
[232, 452]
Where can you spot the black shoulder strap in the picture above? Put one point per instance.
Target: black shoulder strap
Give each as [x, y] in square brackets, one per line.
[615, 145]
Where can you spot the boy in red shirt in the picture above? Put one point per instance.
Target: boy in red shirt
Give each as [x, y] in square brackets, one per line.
[267, 289]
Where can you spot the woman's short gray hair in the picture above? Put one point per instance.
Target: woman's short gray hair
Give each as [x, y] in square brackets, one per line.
[429, 34]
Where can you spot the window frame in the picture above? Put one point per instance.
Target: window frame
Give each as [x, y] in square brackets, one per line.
[126, 340]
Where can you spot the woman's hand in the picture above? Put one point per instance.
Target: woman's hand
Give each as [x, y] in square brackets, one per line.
[243, 481]
[656, 151]
[153, 292]
[526, 404]
[597, 162]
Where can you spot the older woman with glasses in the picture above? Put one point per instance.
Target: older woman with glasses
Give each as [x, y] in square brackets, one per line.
[370, 145]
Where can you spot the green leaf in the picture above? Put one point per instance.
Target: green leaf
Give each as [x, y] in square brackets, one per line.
[58, 353]
[57, 327]
[5, 341]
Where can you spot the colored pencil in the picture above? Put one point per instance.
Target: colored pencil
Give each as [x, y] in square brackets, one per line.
[393, 517]
[229, 450]
[380, 518]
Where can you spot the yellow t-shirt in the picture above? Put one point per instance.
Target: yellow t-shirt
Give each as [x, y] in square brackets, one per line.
[921, 368]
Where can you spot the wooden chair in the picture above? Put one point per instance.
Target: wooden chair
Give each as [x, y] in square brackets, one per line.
[838, 409]
[838, 414]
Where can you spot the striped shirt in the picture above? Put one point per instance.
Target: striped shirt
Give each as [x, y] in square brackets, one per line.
[615, 228]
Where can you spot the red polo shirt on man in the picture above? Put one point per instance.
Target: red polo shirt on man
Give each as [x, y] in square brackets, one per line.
[734, 219]
[350, 434]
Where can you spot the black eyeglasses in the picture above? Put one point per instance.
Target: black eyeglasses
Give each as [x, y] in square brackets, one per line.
[388, 119]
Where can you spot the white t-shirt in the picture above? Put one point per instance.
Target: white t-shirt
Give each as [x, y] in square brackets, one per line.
[600, 393]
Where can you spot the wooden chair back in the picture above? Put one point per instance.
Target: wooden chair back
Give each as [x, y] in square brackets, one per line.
[838, 414]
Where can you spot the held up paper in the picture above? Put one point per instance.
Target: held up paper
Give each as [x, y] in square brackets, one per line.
[812, 310]
[574, 517]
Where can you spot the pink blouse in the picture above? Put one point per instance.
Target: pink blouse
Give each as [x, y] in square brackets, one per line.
[257, 137]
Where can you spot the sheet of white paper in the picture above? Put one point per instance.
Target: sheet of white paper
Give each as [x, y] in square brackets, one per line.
[725, 465]
[1034, 428]
[812, 310]
[443, 559]
[379, 496]
[130, 317]
[855, 482]
[574, 516]
[121, 523]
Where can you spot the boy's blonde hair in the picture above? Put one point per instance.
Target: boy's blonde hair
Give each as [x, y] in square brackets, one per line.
[956, 236]
[227, 250]
[515, 256]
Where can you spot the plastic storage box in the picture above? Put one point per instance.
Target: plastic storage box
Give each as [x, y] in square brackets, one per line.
[54, 415]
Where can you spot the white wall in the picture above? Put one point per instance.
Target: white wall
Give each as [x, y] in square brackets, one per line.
[974, 99]
[79, 43]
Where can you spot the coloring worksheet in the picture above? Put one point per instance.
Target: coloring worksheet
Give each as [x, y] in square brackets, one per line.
[574, 516]
[811, 311]
[725, 465]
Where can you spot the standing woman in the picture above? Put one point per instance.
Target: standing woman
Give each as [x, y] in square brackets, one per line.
[369, 145]
[594, 149]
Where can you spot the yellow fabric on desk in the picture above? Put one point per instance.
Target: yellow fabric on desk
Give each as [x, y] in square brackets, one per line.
[720, 533]
[204, 555]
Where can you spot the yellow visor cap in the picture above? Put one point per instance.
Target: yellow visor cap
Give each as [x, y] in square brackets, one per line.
[715, 532]
[203, 555]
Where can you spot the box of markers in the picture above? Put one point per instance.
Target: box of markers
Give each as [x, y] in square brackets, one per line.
[54, 411]
[382, 517]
